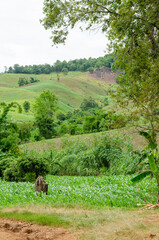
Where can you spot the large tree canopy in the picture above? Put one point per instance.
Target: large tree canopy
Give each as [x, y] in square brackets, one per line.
[132, 27]
[129, 18]
[44, 109]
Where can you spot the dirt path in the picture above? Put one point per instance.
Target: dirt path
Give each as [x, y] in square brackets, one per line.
[17, 230]
[114, 225]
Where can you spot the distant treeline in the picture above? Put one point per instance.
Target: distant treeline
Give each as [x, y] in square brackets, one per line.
[82, 65]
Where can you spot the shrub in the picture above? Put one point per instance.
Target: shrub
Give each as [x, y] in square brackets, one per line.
[27, 167]
[106, 157]
[5, 160]
[46, 127]
[24, 130]
[88, 103]
[26, 106]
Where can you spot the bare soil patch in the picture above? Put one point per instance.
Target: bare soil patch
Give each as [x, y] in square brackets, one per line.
[107, 77]
[116, 224]
[17, 230]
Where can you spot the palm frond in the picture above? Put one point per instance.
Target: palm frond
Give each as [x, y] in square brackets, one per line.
[141, 176]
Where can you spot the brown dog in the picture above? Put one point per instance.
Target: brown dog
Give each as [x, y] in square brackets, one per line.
[41, 185]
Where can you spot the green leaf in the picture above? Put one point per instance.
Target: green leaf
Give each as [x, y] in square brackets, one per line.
[151, 138]
[152, 163]
[141, 176]
[145, 134]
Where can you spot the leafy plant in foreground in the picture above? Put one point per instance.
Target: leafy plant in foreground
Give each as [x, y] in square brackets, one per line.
[152, 156]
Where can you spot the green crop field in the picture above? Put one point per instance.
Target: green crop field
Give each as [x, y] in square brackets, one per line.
[70, 90]
[86, 192]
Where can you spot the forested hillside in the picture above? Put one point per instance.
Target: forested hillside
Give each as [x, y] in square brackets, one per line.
[82, 65]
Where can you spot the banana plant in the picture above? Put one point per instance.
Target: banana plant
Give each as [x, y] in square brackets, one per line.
[152, 156]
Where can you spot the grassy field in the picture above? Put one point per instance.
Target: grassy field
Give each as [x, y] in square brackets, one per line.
[130, 135]
[70, 90]
[83, 192]
[84, 208]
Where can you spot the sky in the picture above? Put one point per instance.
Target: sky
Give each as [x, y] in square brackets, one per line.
[24, 41]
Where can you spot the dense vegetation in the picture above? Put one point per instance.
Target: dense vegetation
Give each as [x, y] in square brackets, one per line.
[82, 65]
[133, 30]
[134, 37]
[86, 192]
[24, 81]
[108, 155]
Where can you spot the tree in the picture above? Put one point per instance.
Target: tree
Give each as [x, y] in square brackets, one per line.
[26, 106]
[88, 104]
[65, 71]
[133, 30]
[44, 108]
[8, 130]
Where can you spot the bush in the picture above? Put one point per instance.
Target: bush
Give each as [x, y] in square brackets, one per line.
[88, 103]
[26, 168]
[111, 156]
[5, 160]
[26, 106]
[24, 130]
[46, 127]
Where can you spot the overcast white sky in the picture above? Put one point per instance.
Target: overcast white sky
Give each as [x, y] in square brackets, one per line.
[24, 40]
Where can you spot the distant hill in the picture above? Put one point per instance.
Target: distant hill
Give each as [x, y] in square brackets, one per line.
[83, 65]
[70, 89]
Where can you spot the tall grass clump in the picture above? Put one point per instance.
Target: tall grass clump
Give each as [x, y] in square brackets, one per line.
[110, 156]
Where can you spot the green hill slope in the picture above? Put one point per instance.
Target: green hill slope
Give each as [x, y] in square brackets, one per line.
[70, 89]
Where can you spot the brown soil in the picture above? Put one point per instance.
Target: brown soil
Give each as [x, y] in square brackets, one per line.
[107, 77]
[118, 225]
[17, 230]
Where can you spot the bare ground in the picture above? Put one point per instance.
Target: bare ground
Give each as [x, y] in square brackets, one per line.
[17, 230]
[116, 225]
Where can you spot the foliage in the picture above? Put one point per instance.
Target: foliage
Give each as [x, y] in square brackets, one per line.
[34, 80]
[133, 30]
[87, 192]
[24, 81]
[72, 65]
[92, 120]
[27, 167]
[65, 71]
[152, 155]
[44, 108]
[105, 101]
[5, 161]
[46, 126]
[8, 130]
[24, 130]
[88, 103]
[26, 106]
[111, 156]
[45, 104]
